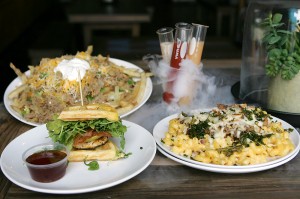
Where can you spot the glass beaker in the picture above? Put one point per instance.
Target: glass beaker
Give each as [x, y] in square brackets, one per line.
[182, 37]
[166, 41]
[196, 43]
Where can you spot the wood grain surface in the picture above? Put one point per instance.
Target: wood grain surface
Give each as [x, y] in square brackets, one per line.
[165, 178]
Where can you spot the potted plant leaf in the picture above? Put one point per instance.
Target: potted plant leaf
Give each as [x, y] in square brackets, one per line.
[282, 42]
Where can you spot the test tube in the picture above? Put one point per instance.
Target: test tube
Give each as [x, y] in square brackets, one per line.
[180, 47]
[182, 36]
[166, 41]
[197, 43]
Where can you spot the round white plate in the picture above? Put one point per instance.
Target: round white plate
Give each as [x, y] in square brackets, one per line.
[78, 178]
[17, 82]
[225, 170]
[161, 128]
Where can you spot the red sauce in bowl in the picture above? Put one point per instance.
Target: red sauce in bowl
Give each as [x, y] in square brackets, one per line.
[47, 166]
[46, 157]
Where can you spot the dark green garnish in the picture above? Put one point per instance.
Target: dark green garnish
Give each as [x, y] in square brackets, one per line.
[254, 137]
[228, 151]
[289, 130]
[247, 113]
[220, 114]
[242, 142]
[214, 114]
[184, 114]
[198, 130]
[258, 113]
[89, 97]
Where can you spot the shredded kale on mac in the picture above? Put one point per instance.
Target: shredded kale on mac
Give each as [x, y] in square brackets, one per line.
[228, 135]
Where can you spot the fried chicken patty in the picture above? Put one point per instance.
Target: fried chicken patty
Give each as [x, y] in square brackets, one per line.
[90, 139]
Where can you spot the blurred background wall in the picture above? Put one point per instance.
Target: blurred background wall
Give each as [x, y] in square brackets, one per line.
[32, 29]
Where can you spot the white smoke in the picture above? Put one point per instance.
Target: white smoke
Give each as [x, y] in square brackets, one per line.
[191, 81]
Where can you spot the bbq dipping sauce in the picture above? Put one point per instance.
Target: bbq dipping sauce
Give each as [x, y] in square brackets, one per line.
[46, 162]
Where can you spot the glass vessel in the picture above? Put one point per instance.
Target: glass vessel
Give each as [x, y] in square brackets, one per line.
[270, 66]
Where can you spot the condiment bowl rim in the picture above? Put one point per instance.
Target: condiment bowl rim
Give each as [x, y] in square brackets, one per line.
[39, 148]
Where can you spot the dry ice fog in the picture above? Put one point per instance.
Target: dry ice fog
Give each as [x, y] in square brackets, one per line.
[180, 81]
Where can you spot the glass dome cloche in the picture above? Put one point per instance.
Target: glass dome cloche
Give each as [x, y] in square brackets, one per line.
[270, 67]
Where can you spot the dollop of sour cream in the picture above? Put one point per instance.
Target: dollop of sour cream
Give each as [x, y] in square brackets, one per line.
[71, 69]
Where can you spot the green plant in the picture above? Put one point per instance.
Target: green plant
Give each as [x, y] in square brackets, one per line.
[283, 48]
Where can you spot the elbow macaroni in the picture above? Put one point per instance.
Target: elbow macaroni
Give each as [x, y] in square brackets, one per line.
[222, 142]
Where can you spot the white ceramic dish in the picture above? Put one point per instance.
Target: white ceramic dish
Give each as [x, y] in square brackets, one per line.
[78, 178]
[226, 170]
[161, 128]
[17, 82]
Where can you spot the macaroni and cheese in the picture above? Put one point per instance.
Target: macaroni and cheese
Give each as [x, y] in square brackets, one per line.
[228, 135]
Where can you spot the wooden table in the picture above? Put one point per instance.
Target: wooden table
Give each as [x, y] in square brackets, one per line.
[165, 178]
[93, 15]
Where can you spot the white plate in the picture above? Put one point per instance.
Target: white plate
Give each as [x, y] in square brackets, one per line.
[17, 82]
[78, 178]
[225, 170]
[161, 128]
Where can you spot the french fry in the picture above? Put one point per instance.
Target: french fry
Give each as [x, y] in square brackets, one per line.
[105, 82]
[19, 73]
[142, 88]
[125, 109]
[133, 97]
[132, 72]
[129, 71]
[135, 72]
[89, 50]
[149, 74]
[100, 106]
[17, 91]
[124, 103]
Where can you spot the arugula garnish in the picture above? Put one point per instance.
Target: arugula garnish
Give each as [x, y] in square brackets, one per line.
[93, 165]
[121, 154]
[64, 132]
